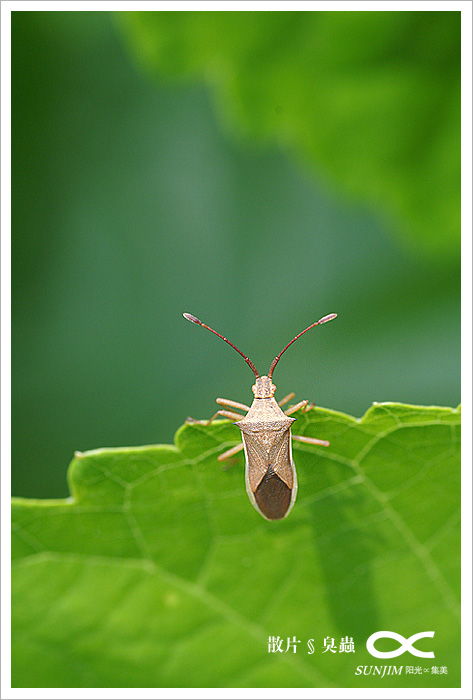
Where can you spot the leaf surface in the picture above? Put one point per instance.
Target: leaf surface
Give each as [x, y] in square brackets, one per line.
[157, 572]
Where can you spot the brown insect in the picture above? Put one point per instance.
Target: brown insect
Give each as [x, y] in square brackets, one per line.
[270, 474]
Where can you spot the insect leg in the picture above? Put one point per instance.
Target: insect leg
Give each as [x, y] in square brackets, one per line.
[311, 441]
[302, 404]
[286, 399]
[226, 414]
[232, 404]
[229, 453]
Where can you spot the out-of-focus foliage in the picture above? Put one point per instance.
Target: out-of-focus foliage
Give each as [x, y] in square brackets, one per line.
[372, 98]
[131, 205]
[159, 572]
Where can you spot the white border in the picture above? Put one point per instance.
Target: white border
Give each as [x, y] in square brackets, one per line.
[233, 5]
[467, 348]
[467, 457]
[5, 262]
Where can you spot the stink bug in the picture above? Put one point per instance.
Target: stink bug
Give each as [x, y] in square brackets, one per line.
[270, 474]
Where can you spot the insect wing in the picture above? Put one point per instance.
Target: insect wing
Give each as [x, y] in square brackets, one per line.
[256, 460]
[280, 458]
[266, 483]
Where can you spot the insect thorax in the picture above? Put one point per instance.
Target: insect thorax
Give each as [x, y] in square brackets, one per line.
[272, 427]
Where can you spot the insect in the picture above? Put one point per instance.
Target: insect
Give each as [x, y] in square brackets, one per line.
[270, 474]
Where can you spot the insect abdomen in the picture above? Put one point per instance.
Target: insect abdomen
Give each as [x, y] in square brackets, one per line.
[273, 496]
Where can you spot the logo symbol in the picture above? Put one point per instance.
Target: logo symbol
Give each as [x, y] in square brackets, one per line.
[406, 645]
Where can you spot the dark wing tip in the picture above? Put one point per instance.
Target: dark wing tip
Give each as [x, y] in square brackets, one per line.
[273, 496]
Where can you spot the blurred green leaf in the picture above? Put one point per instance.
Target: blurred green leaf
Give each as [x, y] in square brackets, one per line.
[158, 572]
[370, 98]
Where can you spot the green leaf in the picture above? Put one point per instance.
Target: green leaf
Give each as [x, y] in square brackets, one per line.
[158, 572]
[371, 99]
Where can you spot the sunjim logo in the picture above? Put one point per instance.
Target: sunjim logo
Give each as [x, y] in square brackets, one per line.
[405, 645]
[379, 671]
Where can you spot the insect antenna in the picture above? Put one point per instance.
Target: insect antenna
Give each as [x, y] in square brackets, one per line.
[276, 359]
[189, 317]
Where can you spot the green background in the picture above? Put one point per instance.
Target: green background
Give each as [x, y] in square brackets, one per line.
[148, 182]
